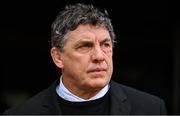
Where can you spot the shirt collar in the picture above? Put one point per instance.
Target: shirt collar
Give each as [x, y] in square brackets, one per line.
[64, 93]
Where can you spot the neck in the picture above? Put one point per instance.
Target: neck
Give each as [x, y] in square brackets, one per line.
[84, 93]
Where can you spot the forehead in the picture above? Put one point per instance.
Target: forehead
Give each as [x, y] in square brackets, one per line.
[89, 32]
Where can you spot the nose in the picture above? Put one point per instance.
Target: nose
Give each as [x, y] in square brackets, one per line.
[97, 54]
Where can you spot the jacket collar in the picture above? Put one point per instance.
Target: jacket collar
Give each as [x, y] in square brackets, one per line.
[119, 102]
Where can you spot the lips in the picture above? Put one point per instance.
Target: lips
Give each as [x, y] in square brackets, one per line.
[96, 70]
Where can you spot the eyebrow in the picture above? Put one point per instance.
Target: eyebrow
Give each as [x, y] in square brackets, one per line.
[89, 41]
[105, 40]
[83, 41]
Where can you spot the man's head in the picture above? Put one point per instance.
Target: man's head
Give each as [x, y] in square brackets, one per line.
[74, 15]
[82, 41]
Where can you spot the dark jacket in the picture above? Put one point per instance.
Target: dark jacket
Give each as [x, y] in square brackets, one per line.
[124, 100]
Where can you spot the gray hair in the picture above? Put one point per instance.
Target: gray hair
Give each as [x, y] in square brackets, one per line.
[74, 15]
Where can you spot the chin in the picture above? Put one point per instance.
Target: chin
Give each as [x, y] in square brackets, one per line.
[98, 83]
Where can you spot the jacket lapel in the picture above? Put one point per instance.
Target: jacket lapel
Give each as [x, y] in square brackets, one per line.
[51, 103]
[119, 102]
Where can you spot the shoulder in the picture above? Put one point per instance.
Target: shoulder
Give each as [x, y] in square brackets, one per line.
[30, 106]
[38, 104]
[132, 92]
[140, 101]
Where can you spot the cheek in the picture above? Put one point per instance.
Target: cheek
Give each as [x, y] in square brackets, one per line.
[108, 52]
[80, 62]
[109, 56]
[109, 59]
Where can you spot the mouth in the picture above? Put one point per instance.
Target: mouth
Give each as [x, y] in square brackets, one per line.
[97, 70]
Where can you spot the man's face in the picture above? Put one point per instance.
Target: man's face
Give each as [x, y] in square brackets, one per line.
[87, 58]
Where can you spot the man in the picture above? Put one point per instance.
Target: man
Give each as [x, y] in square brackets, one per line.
[82, 48]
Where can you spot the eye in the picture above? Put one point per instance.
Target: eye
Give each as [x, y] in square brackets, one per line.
[84, 47]
[106, 44]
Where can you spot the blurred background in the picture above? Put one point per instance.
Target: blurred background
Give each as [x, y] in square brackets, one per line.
[146, 55]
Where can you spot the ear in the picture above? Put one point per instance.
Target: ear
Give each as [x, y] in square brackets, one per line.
[57, 57]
